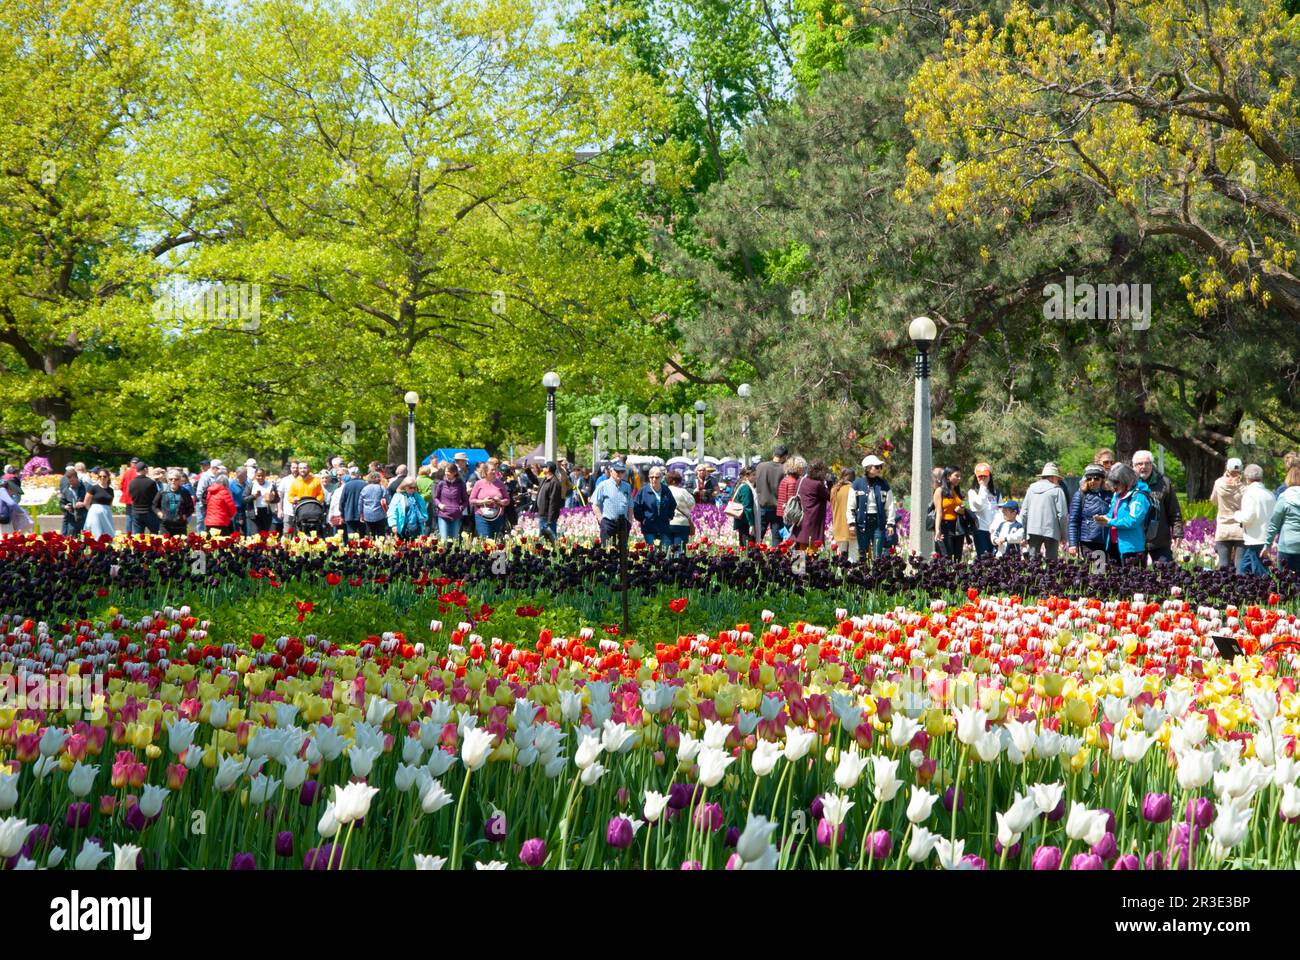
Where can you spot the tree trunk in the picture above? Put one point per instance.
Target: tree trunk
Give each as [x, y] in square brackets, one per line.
[397, 438]
[1202, 468]
[1132, 425]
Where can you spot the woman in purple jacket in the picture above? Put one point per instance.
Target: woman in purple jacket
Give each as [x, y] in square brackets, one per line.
[450, 501]
[814, 497]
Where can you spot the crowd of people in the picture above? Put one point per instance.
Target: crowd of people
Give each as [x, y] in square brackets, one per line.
[1120, 512]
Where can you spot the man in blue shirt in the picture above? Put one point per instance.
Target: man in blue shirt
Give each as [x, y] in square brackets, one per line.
[350, 504]
[611, 500]
[653, 507]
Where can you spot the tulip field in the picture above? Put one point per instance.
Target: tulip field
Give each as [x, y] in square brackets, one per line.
[252, 705]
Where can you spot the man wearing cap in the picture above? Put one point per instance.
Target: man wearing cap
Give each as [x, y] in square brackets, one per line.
[550, 498]
[1045, 514]
[872, 513]
[72, 494]
[1229, 539]
[1090, 500]
[611, 501]
[142, 489]
[767, 478]
[124, 485]
[1164, 520]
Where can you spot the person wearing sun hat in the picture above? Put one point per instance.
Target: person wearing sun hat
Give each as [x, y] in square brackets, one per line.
[872, 512]
[1045, 514]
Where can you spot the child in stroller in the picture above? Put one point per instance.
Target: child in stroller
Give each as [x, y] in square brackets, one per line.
[309, 518]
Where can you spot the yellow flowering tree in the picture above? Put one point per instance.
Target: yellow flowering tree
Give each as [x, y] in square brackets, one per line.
[1180, 113]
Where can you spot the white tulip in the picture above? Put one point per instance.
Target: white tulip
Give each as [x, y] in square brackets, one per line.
[919, 807]
[764, 757]
[715, 734]
[713, 766]
[13, 834]
[433, 797]
[885, 782]
[125, 855]
[922, 844]
[849, 770]
[754, 840]
[836, 809]
[654, 806]
[798, 742]
[81, 779]
[353, 801]
[428, 862]
[91, 855]
[475, 748]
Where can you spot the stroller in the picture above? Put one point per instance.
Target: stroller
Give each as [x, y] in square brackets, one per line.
[309, 517]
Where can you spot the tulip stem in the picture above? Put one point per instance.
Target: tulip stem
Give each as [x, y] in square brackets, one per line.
[347, 838]
[871, 825]
[956, 796]
[455, 829]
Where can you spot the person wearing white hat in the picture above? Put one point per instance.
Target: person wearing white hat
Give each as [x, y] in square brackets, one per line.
[1229, 539]
[1045, 514]
[872, 512]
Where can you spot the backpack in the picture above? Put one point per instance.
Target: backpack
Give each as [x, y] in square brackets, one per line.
[793, 512]
[1155, 510]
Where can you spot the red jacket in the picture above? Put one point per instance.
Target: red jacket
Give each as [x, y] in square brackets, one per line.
[127, 476]
[220, 507]
[784, 491]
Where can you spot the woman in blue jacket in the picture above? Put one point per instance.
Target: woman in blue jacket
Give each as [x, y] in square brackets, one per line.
[653, 506]
[1090, 500]
[1127, 517]
[407, 514]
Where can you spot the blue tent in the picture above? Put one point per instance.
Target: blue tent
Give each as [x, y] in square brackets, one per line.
[474, 456]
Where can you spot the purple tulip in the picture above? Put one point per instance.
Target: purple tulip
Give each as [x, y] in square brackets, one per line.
[533, 852]
[325, 857]
[1058, 813]
[1128, 862]
[815, 808]
[1046, 858]
[709, 816]
[679, 796]
[1086, 861]
[37, 837]
[881, 844]
[619, 832]
[1201, 810]
[1106, 847]
[1155, 860]
[307, 795]
[734, 862]
[976, 862]
[1157, 807]
[692, 865]
[824, 832]
[1013, 851]
[243, 861]
[1110, 819]
[947, 800]
[732, 837]
[78, 816]
[134, 819]
[495, 828]
[284, 843]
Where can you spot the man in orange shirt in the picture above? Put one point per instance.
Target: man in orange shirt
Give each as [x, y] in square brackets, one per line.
[305, 486]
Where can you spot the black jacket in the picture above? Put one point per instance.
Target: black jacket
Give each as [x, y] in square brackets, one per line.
[550, 499]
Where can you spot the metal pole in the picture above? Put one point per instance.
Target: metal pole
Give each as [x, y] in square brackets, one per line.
[550, 424]
[919, 539]
[410, 442]
[699, 433]
[595, 450]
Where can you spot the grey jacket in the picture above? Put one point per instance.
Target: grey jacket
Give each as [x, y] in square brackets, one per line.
[1045, 511]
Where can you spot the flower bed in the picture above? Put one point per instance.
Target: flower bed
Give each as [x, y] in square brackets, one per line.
[990, 733]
